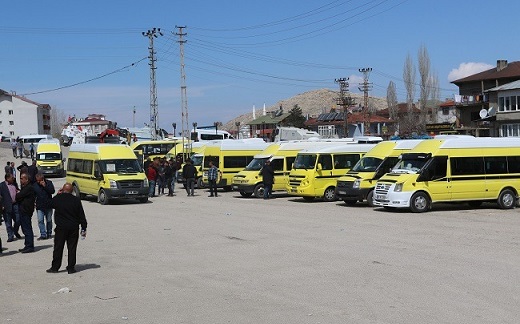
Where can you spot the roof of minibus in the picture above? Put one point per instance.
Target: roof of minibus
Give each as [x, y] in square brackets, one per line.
[170, 141]
[250, 144]
[340, 149]
[432, 145]
[109, 151]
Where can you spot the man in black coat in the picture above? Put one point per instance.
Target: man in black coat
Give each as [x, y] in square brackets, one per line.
[44, 189]
[189, 173]
[68, 216]
[8, 189]
[26, 198]
[268, 179]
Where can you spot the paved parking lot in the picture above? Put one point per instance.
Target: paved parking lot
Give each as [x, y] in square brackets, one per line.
[234, 260]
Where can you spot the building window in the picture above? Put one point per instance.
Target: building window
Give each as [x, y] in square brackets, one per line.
[508, 130]
[11, 122]
[509, 103]
[11, 133]
[11, 112]
[445, 111]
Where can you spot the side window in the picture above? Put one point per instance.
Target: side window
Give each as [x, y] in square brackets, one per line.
[326, 161]
[345, 161]
[438, 167]
[236, 161]
[495, 164]
[467, 166]
[289, 162]
[277, 165]
[513, 164]
[210, 158]
[71, 165]
[87, 166]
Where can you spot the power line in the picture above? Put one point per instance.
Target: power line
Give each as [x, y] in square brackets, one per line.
[86, 81]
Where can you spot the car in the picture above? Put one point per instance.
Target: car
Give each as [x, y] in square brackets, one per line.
[5, 138]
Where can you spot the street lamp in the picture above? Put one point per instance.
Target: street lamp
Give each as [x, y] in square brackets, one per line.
[174, 125]
[216, 127]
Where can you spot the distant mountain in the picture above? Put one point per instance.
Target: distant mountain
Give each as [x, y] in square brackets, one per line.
[312, 103]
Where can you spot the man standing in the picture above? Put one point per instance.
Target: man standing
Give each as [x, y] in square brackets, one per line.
[169, 171]
[20, 148]
[44, 189]
[8, 190]
[268, 179]
[31, 150]
[152, 177]
[213, 174]
[32, 170]
[68, 215]
[26, 198]
[7, 168]
[189, 173]
[14, 148]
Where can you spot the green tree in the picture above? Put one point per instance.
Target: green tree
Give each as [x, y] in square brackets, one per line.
[295, 118]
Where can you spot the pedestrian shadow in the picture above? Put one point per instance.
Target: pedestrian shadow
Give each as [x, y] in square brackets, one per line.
[42, 247]
[10, 252]
[87, 266]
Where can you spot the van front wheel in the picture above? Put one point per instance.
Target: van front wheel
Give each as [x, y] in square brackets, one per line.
[329, 194]
[370, 198]
[507, 199]
[420, 202]
[102, 197]
[259, 190]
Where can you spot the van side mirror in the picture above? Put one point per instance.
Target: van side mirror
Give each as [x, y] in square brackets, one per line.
[97, 175]
[319, 167]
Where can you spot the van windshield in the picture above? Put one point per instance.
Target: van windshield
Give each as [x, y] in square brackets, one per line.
[367, 164]
[48, 156]
[305, 161]
[120, 166]
[256, 164]
[197, 159]
[409, 165]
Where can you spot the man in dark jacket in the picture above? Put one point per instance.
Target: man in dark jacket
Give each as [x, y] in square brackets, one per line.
[25, 199]
[44, 189]
[32, 170]
[69, 216]
[189, 173]
[268, 179]
[8, 189]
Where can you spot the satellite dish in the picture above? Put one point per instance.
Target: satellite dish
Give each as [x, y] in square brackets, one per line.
[483, 113]
[491, 111]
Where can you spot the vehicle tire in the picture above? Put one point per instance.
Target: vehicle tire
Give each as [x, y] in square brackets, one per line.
[370, 198]
[200, 184]
[143, 200]
[329, 194]
[420, 202]
[306, 198]
[350, 202]
[228, 188]
[246, 194]
[75, 191]
[259, 190]
[102, 197]
[507, 199]
[475, 203]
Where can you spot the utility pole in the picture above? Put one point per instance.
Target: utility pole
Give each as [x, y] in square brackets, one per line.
[344, 101]
[365, 87]
[184, 97]
[154, 110]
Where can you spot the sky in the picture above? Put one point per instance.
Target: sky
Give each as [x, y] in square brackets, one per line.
[86, 57]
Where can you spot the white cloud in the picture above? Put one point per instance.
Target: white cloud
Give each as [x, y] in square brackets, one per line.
[354, 81]
[467, 69]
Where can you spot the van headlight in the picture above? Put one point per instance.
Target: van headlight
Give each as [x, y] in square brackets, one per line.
[145, 183]
[113, 184]
[356, 184]
[398, 187]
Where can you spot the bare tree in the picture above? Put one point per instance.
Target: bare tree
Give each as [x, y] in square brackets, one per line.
[425, 84]
[435, 95]
[58, 121]
[409, 74]
[391, 101]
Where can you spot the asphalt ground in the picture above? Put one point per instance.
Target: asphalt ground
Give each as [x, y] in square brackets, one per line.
[242, 260]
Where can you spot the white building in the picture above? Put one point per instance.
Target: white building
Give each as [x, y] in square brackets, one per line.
[21, 116]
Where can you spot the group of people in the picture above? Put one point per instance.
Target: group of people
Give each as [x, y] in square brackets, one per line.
[19, 149]
[35, 192]
[163, 173]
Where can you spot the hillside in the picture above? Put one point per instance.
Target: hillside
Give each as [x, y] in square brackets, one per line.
[312, 103]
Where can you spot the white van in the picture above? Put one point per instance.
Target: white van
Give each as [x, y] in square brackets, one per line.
[35, 138]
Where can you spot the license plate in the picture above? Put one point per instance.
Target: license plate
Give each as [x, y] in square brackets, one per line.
[380, 196]
[47, 171]
[342, 192]
[131, 192]
[235, 187]
[293, 190]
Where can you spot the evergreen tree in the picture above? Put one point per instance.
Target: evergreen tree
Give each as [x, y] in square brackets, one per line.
[295, 118]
